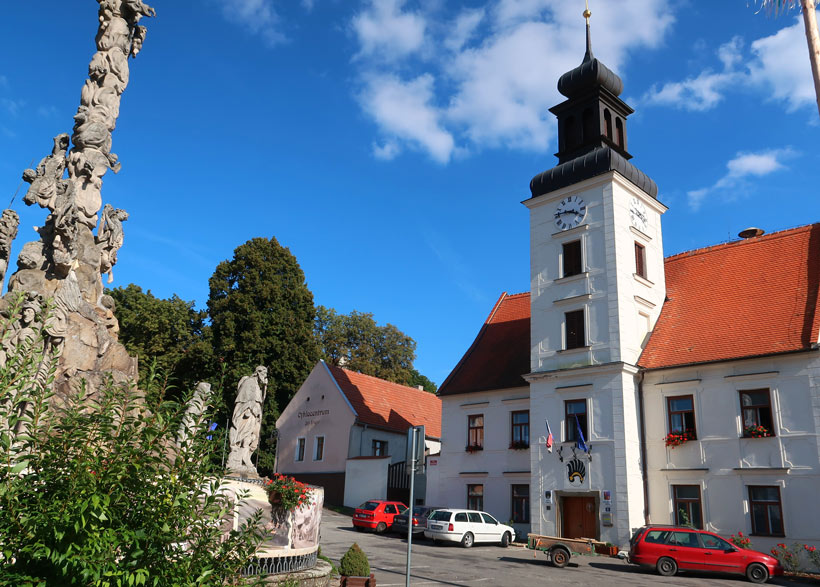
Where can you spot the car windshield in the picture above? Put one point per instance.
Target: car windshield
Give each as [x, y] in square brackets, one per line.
[369, 505]
[441, 516]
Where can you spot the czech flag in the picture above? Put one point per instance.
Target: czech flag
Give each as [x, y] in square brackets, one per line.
[549, 437]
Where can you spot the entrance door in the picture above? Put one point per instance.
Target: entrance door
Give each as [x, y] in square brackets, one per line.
[578, 517]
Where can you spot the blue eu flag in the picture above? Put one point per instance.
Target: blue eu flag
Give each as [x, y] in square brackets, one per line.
[579, 436]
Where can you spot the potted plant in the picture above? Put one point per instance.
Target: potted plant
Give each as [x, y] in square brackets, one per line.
[674, 439]
[286, 492]
[355, 569]
[756, 432]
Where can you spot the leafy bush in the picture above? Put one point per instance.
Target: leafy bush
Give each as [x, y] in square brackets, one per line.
[97, 492]
[354, 563]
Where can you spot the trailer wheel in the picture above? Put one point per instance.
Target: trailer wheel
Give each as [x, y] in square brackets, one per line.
[559, 556]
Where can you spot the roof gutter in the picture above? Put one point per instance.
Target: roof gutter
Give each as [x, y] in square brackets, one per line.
[644, 475]
[815, 346]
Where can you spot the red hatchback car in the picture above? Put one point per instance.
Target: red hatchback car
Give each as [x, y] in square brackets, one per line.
[377, 514]
[669, 548]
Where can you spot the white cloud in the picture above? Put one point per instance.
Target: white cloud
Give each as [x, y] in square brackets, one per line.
[405, 112]
[744, 165]
[257, 16]
[464, 28]
[496, 81]
[777, 65]
[13, 107]
[308, 4]
[385, 32]
[4, 81]
[781, 64]
[706, 90]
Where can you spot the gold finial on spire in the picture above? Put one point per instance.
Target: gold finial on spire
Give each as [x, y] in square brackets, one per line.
[587, 12]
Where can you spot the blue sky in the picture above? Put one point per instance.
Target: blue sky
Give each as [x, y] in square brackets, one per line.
[389, 144]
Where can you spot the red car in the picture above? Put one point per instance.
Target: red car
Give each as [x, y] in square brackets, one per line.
[669, 548]
[377, 514]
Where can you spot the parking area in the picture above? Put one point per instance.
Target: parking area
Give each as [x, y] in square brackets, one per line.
[489, 565]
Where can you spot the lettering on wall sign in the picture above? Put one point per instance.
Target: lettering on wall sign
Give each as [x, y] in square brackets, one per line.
[314, 414]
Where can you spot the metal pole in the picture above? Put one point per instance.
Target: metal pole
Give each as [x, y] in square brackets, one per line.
[413, 461]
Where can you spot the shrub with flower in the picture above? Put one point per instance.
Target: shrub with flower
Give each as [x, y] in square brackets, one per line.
[757, 432]
[789, 556]
[814, 556]
[674, 439]
[741, 541]
[286, 492]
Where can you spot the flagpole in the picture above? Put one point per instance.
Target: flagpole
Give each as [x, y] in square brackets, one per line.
[813, 39]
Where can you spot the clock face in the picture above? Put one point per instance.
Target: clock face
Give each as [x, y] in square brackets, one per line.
[638, 215]
[570, 212]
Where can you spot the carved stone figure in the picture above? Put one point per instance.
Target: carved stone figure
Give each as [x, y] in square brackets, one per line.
[193, 412]
[247, 422]
[48, 174]
[9, 221]
[23, 331]
[110, 238]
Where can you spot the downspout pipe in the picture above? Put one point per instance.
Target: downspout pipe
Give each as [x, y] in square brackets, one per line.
[642, 418]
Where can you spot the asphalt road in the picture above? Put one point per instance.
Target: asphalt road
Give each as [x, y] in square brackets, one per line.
[490, 565]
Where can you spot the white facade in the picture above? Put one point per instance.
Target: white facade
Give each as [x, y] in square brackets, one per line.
[496, 468]
[723, 464]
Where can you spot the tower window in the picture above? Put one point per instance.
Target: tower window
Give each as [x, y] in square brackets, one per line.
[619, 133]
[574, 326]
[640, 260]
[588, 123]
[571, 138]
[607, 124]
[571, 259]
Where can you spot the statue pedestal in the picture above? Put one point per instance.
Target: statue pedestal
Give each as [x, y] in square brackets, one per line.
[292, 540]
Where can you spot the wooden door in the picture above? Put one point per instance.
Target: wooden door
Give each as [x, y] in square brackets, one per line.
[578, 517]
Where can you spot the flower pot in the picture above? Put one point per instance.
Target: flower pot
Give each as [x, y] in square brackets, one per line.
[358, 581]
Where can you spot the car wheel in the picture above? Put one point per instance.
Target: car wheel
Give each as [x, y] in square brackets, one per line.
[381, 527]
[506, 539]
[467, 540]
[757, 573]
[667, 567]
[560, 557]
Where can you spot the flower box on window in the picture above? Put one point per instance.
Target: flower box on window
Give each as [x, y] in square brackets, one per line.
[519, 445]
[757, 432]
[674, 439]
[473, 447]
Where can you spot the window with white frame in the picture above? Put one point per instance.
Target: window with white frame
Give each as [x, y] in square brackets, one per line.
[319, 448]
[299, 455]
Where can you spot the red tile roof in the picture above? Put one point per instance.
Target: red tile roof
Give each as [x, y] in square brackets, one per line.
[389, 405]
[500, 354]
[742, 299]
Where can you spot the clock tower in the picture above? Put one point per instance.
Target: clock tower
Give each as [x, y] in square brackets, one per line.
[596, 290]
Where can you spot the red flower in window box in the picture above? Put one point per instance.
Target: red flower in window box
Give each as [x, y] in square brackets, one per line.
[757, 432]
[674, 439]
[473, 447]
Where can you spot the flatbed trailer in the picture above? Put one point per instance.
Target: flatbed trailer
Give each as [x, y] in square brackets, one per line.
[559, 550]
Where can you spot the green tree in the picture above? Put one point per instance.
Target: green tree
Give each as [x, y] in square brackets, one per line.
[170, 335]
[262, 313]
[355, 341]
[99, 492]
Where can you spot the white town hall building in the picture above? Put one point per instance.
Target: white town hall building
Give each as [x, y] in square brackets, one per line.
[693, 380]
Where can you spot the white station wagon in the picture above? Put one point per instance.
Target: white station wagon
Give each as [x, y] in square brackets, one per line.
[467, 527]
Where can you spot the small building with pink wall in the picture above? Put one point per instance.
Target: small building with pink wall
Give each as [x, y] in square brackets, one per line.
[347, 432]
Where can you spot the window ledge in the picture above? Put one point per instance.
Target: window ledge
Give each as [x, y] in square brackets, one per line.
[640, 233]
[577, 350]
[759, 469]
[571, 231]
[474, 473]
[643, 280]
[571, 278]
[573, 299]
[682, 469]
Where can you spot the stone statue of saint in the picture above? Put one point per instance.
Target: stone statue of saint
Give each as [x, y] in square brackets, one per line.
[23, 332]
[247, 422]
[193, 412]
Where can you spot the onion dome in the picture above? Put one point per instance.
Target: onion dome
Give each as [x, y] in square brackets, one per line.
[590, 75]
